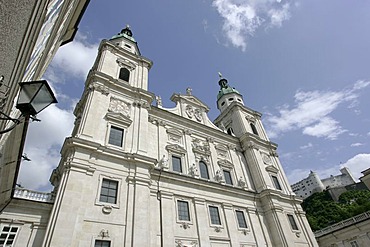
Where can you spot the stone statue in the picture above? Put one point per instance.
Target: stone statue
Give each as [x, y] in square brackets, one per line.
[163, 162]
[159, 100]
[218, 176]
[193, 171]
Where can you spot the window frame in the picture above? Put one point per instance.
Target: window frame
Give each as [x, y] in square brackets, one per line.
[118, 192]
[254, 129]
[10, 233]
[210, 217]
[244, 218]
[179, 157]
[102, 240]
[111, 126]
[206, 169]
[276, 182]
[231, 176]
[128, 75]
[292, 222]
[179, 220]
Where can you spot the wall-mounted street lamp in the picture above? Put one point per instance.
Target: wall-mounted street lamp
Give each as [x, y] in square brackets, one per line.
[34, 96]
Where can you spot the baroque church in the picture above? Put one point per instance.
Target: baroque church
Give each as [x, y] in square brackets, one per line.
[138, 174]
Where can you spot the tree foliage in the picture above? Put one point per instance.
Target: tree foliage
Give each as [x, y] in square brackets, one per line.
[322, 210]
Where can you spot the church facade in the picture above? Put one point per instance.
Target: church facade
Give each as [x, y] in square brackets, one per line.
[135, 174]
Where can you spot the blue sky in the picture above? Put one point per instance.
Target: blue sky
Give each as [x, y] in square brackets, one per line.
[302, 64]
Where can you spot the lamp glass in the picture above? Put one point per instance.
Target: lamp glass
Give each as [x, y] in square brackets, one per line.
[34, 97]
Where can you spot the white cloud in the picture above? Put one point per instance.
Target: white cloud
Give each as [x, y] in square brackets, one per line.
[309, 145]
[74, 59]
[356, 165]
[357, 144]
[311, 113]
[44, 140]
[242, 18]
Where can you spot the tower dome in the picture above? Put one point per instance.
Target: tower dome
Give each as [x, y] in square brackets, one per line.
[227, 95]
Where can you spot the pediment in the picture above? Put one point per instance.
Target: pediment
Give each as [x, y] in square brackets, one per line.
[118, 117]
[272, 169]
[175, 148]
[189, 99]
[225, 163]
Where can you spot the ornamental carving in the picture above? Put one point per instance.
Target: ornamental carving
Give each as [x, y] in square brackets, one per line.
[175, 148]
[124, 63]
[251, 119]
[189, 111]
[104, 233]
[185, 243]
[274, 153]
[119, 106]
[99, 88]
[198, 115]
[225, 163]
[222, 151]
[141, 104]
[266, 159]
[242, 183]
[174, 135]
[200, 146]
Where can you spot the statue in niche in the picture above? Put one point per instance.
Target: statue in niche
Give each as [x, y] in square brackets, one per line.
[241, 182]
[193, 170]
[163, 162]
[218, 176]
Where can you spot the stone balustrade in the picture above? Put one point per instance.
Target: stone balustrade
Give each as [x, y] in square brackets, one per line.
[31, 195]
[342, 224]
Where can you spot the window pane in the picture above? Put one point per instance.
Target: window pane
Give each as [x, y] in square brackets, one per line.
[292, 222]
[227, 176]
[108, 192]
[102, 243]
[254, 130]
[276, 182]
[176, 164]
[203, 170]
[215, 217]
[124, 74]
[8, 235]
[183, 210]
[241, 219]
[115, 136]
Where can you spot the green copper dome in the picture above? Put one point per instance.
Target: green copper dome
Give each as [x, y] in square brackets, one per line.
[225, 88]
[126, 33]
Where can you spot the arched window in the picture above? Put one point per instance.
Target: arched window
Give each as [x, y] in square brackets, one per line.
[230, 131]
[124, 74]
[254, 130]
[203, 170]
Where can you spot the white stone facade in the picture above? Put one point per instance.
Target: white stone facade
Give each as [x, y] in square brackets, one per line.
[134, 174]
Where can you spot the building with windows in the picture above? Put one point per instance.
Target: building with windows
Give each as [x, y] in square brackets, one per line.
[352, 232]
[138, 174]
[313, 183]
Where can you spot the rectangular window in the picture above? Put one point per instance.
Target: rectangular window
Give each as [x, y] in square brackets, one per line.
[227, 176]
[276, 182]
[108, 191]
[102, 243]
[7, 236]
[292, 222]
[215, 216]
[176, 164]
[241, 219]
[183, 210]
[354, 243]
[115, 136]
